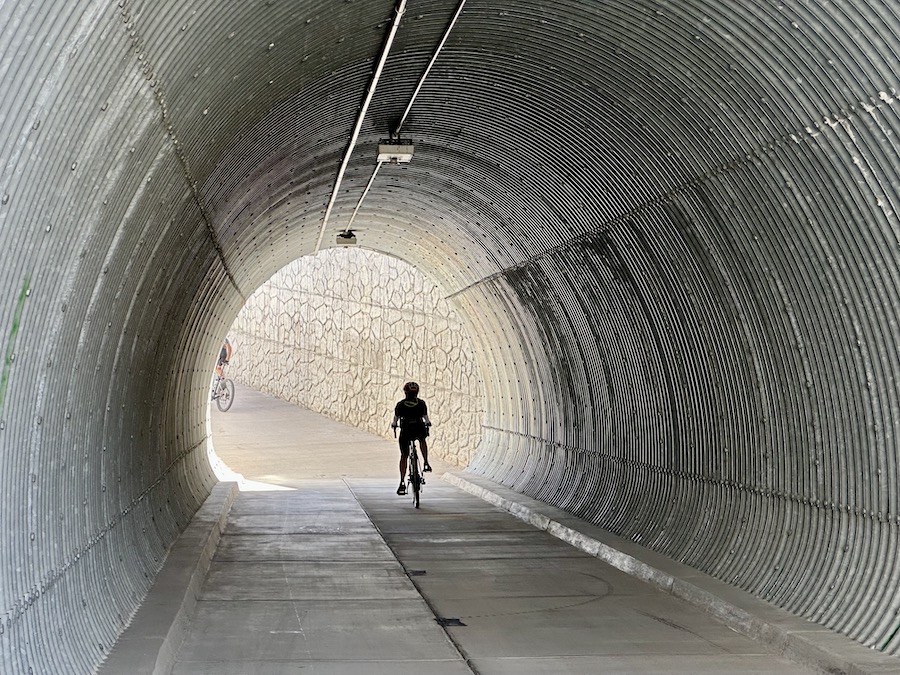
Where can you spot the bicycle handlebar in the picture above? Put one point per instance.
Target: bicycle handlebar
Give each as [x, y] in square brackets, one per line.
[394, 427]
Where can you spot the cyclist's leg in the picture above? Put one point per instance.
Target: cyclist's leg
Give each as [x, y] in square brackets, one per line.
[404, 455]
[423, 446]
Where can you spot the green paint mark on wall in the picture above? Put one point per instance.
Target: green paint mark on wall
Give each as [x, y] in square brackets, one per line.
[11, 341]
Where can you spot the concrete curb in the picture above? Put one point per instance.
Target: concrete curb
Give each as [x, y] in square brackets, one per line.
[783, 633]
[156, 631]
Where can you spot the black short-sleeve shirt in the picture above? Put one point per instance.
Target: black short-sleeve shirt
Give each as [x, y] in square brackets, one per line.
[410, 413]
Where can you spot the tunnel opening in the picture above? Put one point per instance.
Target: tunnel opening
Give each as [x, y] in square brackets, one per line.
[338, 333]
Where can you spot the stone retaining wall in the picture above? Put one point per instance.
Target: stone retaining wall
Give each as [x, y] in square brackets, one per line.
[339, 333]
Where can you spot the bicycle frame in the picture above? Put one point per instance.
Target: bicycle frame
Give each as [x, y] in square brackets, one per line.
[415, 481]
[222, 390]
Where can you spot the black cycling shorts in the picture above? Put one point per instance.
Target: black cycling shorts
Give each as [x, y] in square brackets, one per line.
[409, 433]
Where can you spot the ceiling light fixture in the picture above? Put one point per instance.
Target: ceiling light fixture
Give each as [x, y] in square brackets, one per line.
[395, 151]
[346, 238]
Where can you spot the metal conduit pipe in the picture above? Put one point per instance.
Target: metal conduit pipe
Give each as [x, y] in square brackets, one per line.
[671, 228]
[396, 130]
[360, 118]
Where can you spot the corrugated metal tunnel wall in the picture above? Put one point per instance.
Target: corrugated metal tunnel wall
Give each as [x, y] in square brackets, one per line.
[671, 227]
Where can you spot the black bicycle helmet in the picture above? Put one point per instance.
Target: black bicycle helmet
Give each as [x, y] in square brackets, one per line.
[410, 388]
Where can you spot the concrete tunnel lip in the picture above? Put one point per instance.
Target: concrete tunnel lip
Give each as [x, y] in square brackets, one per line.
[705, 269]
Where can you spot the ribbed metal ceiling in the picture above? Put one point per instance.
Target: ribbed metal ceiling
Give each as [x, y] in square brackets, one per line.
[671, 227]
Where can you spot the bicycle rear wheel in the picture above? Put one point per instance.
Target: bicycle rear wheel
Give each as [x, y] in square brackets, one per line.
[225, 395]
[415, 478]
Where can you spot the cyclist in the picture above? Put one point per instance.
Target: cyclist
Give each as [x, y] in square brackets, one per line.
[224, 358]
[411, 414]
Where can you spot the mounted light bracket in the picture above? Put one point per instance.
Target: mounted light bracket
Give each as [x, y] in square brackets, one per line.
[346, 238]
[395, 151]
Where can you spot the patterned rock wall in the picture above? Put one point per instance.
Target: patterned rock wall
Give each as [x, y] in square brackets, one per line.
[340, 332]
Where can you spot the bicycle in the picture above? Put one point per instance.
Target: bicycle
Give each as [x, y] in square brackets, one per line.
[222, 390]
[416, 480]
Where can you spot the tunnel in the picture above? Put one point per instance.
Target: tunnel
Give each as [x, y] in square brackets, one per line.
[668, 226]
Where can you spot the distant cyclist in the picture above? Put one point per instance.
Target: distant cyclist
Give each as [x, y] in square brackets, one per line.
[411, 414]
[224, 358]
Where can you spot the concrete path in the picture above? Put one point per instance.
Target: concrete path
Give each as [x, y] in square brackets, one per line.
[321, 568]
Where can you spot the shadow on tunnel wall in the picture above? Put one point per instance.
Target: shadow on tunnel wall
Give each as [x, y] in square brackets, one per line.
[670, 229]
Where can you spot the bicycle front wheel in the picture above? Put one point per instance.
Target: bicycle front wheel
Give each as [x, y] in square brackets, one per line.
[225, 395]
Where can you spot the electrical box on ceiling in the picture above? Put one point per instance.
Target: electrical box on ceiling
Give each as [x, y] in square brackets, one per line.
[395, 151]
